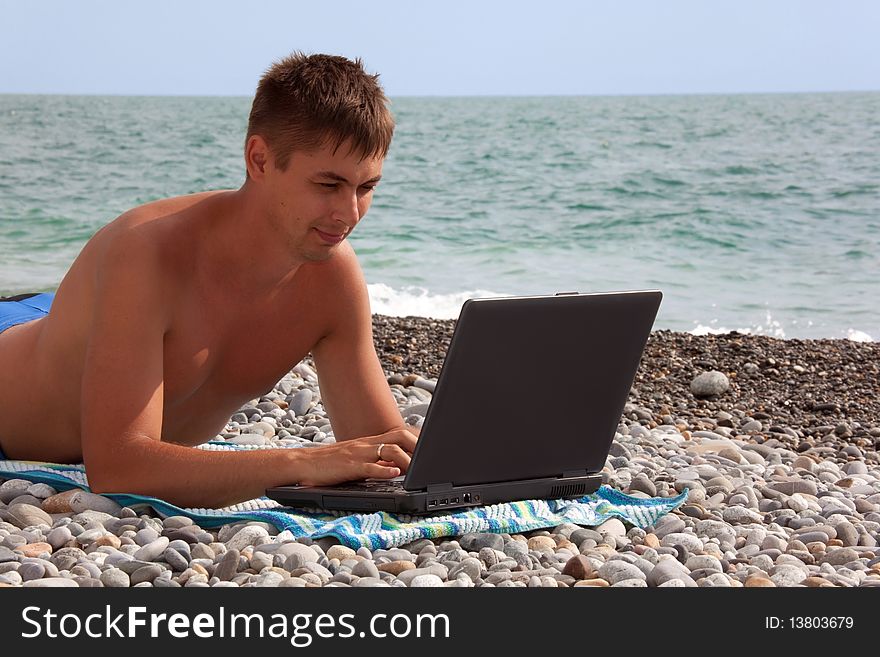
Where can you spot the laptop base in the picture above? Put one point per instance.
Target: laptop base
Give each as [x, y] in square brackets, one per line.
[437, 500]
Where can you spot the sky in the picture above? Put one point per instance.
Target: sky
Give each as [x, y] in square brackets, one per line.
[449, 48]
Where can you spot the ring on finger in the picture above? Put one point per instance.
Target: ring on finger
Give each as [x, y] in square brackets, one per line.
[379, 452]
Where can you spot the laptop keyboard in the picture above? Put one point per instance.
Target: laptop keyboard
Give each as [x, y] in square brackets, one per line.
[373, 485]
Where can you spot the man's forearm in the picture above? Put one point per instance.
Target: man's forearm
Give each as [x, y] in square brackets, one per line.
[190, 477]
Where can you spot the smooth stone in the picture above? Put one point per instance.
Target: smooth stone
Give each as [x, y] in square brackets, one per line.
[13, 488]
[131, 565]
[612, 527]
[175, 559]
[109, 540]
[709, 384]
[788, 575]
[340, 552]
[202, 551]
[690, 542]
[803, 486]
[12, 578]
[146, 574]
[840, 556]
[580, 535]
[434, 569]
[247, 536]
[146, 536]
[475, 542]
[578, 567]
[115, 578]
[84, 501]
[758, 581]
[27, 499]
[426, 581]
[469, 566]
[177, 522]
[715, 580]
[152, 550]
[817, 582]
[370, 582]
[542, 543]
[28, 515]
[301, 402]
[59, 503]
[740, 515]
[29, 571]
[668, 524]
[703, 562]
[396, 567]
[34, 549]
[228, 566]
[619, 570]
[665, 570]
[51, 582]
[847, 534]
[641, 483]
[367, 568]
[269, 579]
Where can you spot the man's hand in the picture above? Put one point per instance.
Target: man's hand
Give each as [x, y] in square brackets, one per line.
[358, 458]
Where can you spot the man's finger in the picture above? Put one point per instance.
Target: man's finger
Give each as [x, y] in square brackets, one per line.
[377, 471]
[403, 438]
[396, 454]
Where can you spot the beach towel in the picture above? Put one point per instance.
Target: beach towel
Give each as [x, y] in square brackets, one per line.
[380, 529]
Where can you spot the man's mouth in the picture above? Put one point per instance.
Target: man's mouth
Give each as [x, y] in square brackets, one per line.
[330, 238]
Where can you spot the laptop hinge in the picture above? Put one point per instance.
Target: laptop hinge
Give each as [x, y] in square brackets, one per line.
[574, 473]
[438, 488]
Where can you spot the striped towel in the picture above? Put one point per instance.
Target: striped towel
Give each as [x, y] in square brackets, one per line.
[380, 529]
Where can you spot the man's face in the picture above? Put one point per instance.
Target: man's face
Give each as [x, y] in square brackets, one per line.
[319, 199]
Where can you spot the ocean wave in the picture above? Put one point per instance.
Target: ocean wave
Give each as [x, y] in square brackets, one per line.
[418, 301]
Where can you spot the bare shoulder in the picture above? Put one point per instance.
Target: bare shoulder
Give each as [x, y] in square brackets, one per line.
[150, 236]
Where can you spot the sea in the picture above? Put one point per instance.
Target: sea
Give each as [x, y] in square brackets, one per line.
[752, 213]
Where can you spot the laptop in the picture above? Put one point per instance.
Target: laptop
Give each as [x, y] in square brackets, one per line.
[526, 406]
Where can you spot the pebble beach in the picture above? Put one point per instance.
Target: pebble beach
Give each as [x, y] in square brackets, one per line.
[775, 440]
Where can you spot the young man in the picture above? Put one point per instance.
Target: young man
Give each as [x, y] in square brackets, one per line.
[146, 351]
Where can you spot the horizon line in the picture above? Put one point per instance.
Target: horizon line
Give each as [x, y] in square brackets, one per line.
[498, 95]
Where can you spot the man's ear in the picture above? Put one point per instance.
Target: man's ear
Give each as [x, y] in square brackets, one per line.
[257, 156]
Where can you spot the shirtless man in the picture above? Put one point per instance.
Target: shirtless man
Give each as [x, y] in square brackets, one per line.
[179, 311]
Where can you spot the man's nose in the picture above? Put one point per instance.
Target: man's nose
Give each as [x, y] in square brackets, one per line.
[346, 209]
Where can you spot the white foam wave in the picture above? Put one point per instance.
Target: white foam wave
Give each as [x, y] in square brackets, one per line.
[858, 336]
[418, 301]
[770, 327]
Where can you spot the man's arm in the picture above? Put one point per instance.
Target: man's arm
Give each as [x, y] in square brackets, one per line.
[353, 387]
[123, 395]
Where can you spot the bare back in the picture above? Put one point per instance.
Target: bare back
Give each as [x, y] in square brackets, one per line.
[223, 345]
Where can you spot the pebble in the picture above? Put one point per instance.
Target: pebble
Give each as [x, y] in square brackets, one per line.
[710, 384]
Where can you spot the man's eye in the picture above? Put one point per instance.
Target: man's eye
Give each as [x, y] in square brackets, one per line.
[328, 185]
[368, 188]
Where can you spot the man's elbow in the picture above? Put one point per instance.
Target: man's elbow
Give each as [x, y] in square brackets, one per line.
[102, 481]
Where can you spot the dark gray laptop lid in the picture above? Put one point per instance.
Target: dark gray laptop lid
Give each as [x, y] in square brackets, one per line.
[532, 387]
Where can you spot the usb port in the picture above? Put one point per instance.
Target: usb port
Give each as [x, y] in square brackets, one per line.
[444, 501]
[432, 503]
[453, 500]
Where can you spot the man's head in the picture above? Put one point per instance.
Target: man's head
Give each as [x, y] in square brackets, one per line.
[304, 103]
